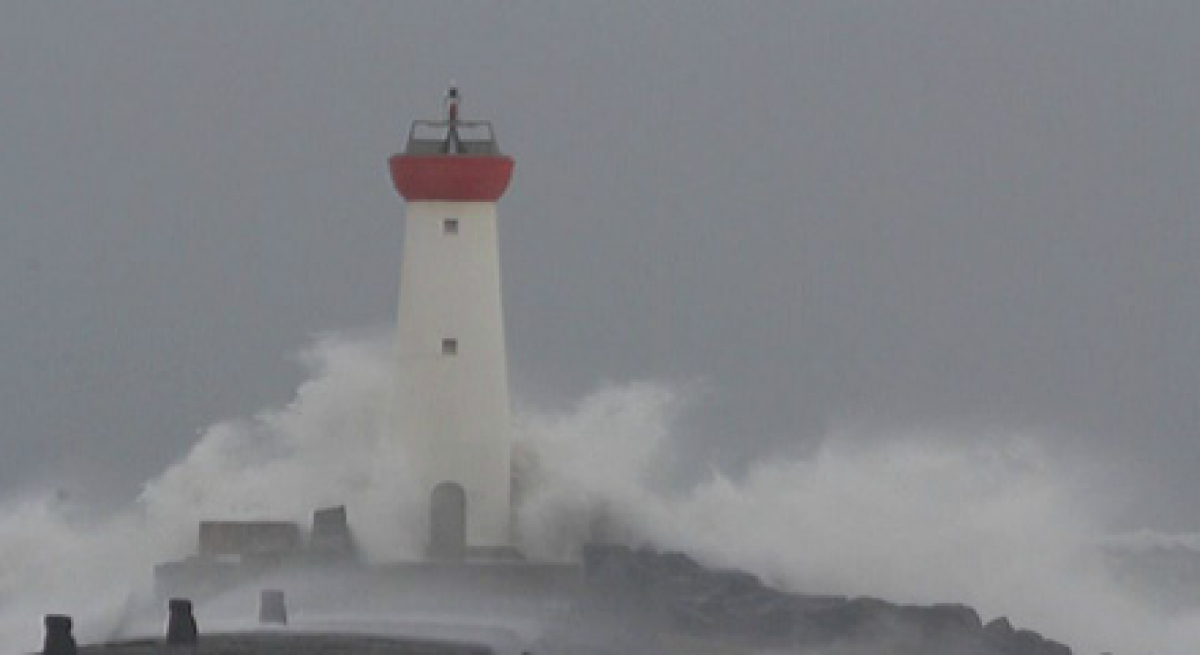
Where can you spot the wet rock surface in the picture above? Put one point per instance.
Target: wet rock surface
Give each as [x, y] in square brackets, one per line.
[649, 593]
[637, 601]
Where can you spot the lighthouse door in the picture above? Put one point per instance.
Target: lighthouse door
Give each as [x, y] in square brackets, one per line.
[448, 521]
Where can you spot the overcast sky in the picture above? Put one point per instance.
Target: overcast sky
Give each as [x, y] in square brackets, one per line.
[971, 214]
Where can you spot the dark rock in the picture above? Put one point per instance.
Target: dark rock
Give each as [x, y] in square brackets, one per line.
[999, 628]
[684, 596]
[678, 565]
[1028, 642]
[854, 617]
[1003, 638]
[955, 616]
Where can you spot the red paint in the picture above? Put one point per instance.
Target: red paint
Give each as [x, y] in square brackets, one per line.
[464, 178]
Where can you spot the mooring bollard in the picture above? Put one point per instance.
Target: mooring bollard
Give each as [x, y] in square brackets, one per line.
[272, 607]
[59, 640]
[181, 623]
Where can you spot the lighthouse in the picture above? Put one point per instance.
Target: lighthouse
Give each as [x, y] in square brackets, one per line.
[451, 409]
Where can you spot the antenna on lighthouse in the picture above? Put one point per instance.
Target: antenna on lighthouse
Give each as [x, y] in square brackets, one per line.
[450, 102]
[453, 144]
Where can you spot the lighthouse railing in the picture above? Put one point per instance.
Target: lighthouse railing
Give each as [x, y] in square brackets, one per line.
[431, 137]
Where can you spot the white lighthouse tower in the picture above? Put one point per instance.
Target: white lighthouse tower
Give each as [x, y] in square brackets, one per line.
[452, 408]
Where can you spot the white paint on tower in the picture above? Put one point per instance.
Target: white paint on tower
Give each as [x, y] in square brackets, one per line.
[452, 369]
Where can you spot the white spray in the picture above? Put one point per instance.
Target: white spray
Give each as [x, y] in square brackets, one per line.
[914, 517]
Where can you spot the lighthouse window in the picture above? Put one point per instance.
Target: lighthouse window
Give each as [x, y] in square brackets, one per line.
[449, 346]
[450, 226]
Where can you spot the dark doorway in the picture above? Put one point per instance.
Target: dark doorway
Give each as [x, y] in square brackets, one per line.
[448, 521]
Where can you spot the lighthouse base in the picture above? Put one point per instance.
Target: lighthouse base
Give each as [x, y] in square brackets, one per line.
[252, 555]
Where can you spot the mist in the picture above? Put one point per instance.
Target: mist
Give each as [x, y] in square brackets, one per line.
[906, 292]
[918, 213]
[916, 516]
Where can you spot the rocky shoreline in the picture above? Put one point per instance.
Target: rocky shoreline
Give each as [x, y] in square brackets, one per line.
[648, 594]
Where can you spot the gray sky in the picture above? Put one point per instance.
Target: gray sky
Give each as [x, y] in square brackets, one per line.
[979, 214]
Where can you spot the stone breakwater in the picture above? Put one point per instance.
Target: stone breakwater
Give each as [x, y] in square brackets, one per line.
[652, 593]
